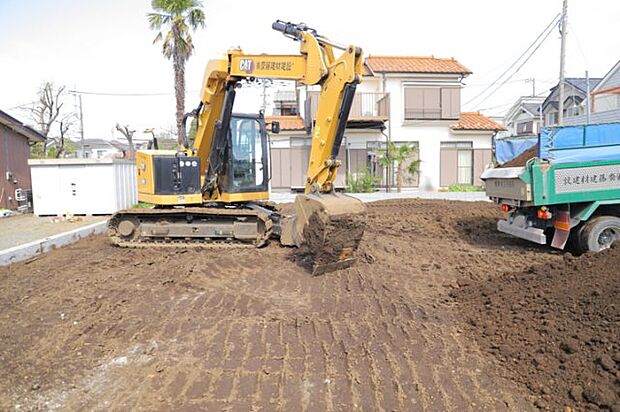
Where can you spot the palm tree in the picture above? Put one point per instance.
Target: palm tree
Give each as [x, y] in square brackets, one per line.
[399, 155]
[177, 18]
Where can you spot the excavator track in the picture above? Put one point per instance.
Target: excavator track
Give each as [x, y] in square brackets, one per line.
[199, 227]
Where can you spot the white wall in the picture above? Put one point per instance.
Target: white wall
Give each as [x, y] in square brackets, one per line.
[428, 133]
[82, 186]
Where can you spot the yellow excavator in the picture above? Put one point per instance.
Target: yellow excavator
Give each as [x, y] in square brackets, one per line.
[215, 191]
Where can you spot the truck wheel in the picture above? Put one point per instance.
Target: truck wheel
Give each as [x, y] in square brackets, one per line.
[600, 233]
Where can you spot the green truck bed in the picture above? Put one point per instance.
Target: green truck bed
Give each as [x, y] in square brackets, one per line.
[567, 194]
[541, 183]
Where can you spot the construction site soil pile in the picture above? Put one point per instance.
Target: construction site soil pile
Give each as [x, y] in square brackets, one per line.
[555, 327]
[95, 327]
[522, 159]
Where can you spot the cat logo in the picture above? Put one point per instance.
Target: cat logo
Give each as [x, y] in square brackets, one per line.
[246, 65]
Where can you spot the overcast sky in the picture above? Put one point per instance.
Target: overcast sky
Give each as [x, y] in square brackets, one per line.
[105, 46]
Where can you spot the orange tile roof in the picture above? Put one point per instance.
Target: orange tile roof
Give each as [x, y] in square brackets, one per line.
[476, 121]
[287, 122]
[415, 64]
[366, 71]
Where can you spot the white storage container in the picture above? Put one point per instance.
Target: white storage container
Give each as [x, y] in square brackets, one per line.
[82, 186]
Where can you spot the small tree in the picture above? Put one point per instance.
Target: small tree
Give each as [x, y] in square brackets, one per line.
[399, 155]
[45, 111]
[64, 126]
[125, 131]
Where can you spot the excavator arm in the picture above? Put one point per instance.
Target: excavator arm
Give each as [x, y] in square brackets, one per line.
[315, 65]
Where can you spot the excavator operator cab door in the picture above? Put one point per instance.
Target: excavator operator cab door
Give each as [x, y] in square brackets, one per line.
[247, 168]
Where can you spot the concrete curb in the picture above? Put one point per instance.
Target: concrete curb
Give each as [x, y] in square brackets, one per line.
[286, 197]
[28, 250]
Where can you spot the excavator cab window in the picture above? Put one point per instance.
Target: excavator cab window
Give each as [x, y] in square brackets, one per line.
[248, 155]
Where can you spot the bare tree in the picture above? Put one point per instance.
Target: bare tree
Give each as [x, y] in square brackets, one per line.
[64, 125]
[131, 152]
[45, 111]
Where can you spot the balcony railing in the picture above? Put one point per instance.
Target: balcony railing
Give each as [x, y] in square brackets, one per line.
[365, 105]
[285, 96]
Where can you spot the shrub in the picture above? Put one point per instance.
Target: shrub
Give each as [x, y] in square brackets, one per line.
[457, 187]
[361, 182]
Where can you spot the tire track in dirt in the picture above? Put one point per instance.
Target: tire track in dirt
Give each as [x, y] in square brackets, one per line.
[251, 330]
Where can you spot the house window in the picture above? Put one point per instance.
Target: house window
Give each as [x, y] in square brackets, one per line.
[285, 108]
[551, 118]
[465, 167]
[525, 127]
[432, 103]
[457, 163]
[573, 111]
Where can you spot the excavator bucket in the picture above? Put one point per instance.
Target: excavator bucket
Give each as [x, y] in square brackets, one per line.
[327, 228]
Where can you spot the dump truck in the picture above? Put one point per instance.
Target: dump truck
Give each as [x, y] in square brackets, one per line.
[565, 191]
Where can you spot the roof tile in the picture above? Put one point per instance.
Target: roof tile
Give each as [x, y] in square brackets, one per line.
[288, 122]
[476, 121]
[415, 64]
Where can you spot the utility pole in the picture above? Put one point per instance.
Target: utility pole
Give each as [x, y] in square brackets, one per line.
[79, 98]
[533, 81]
[265, 84]
[563, 21]
[587, 98]
[81, 126]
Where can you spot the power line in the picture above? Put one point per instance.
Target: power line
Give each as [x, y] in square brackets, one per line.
[125, 94]
[21, 106]
[553, 22]
[583, 55]
[486, 84]
[540, 94]
[521, 65]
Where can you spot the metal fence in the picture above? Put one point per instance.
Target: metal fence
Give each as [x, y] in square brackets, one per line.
[365, 105]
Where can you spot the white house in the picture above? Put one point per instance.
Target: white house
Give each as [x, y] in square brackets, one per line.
[97, 149]
[402, 99]
[524, 118]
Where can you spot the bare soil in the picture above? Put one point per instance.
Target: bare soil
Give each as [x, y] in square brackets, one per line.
[555, 327]
[93, 326]
[523, 158]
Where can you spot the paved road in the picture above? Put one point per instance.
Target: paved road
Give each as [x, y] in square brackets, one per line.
[20, 229]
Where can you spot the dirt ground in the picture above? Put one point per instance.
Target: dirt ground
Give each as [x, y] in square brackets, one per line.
[92, 326]
[556, 327]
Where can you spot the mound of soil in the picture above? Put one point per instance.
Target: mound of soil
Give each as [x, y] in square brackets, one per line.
[555, 328]
[522, 159]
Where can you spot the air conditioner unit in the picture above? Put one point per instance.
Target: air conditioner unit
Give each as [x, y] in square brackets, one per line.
[20, 195]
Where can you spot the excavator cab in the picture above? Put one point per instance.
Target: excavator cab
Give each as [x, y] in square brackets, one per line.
[247, 156]
[169, 177]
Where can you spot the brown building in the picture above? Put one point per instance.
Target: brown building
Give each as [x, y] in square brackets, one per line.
[15, 140]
